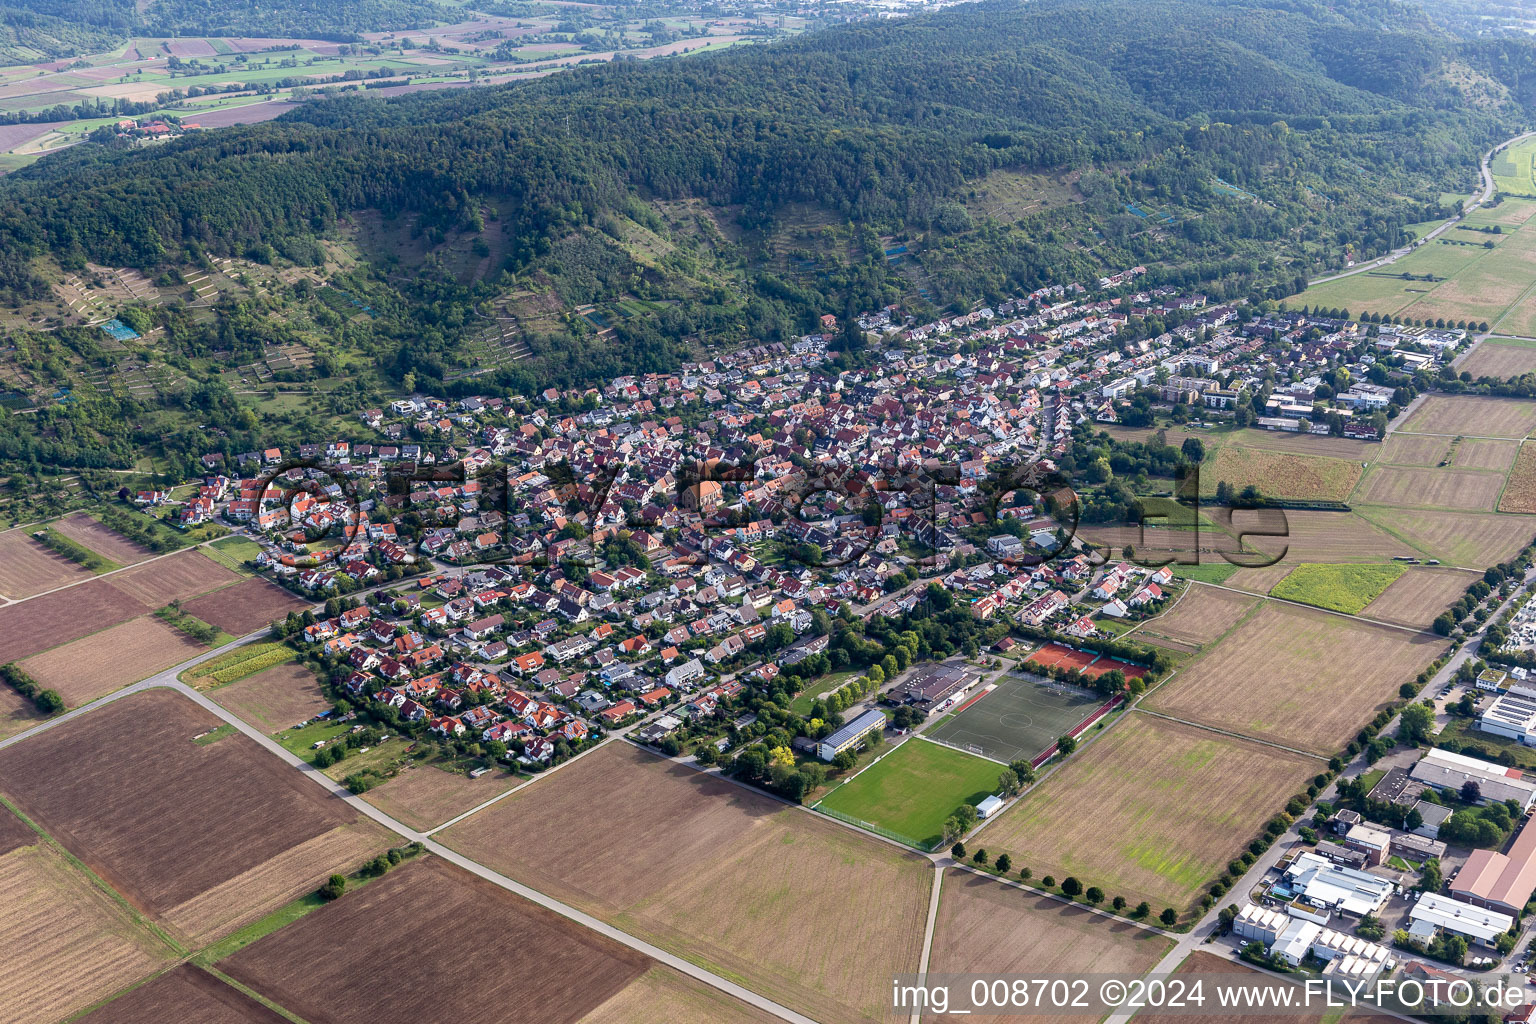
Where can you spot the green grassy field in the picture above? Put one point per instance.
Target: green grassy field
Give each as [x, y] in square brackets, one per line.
[1512, 169]
[914, 788]
[1340, 588]
[232, 552]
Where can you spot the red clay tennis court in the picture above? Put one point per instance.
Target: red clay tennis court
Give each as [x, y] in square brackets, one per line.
[1089, 663]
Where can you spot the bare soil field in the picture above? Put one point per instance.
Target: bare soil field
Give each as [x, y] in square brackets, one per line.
[1407, 487]
[719, 874]
[64, 942]
[662, 994]
[53, 619]
[448, 942]
[1473, 416]
[1414, 450]
[103, 540]
[17, 714]
[276, 698]
[424, 796]
[1279, 474]
[1261, 581]
[1200, 616]
[184, 994]
[1279, 677]
[245, 607]
[1472, 540]
[1419, 595]
[182, 575]
[203, 837]
[985, 927]
[1497, 357]
[96, 665]
[1153, 833]
[28, 568]
[1477, 453]
[1520, 490]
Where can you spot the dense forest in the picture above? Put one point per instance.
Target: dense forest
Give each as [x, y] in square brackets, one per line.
[1270, 135]
[33, 30]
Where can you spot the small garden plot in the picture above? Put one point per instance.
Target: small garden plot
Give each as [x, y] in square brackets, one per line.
[914, 788]
[1340, 588]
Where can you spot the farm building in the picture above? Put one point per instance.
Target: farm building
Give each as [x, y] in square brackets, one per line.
[1326, 885]
[1447, 771]
[849, 735]
[1499, 881]
[1478, 924]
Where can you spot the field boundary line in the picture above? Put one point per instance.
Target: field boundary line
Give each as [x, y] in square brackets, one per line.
[134, 915]
[251, 993]
[1329, 611]
[1234, 735]
[1068, 901]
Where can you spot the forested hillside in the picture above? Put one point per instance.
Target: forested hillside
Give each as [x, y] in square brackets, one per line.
[743, 193]
[32, 30]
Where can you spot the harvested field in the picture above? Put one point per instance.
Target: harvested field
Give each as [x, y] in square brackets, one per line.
[64, 942]
[1200, 616]
[662, 994]
[986, 927]
[1472, 540]
[1348, 448]
[176, 578]
[1480, 453]
[184, 994]
[1153, 832]
[1422, 593]
[424, 796]
[96, 665]
[1309, 536]
[1477, 417]
[245, 607]
[276, 698]
[28, 568]
[1414, 450]
[1500, 357]
[1520, 490]
[724, 876]
[1261, 581]
[17, 714]
[53, 619]
[1279, 677]
[1406, 487]
[444, 938]
[1279, 474]
[203, 837]
[103, 540]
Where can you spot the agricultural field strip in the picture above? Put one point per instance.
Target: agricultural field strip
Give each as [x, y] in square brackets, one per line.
[1229, 733]
[363, 807]
[1315, 608]
[102, 576]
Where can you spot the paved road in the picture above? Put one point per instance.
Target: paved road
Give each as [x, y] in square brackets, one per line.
[1396, 254]
[167, 680]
